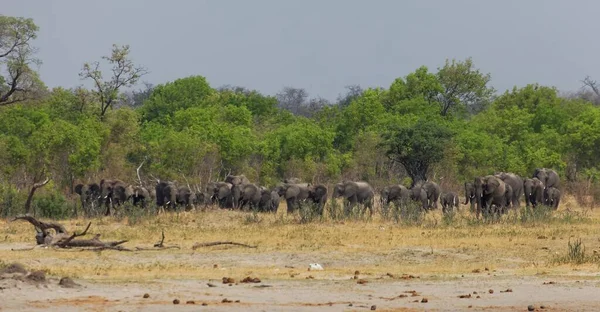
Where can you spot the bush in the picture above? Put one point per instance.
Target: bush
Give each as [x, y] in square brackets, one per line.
[51, 205]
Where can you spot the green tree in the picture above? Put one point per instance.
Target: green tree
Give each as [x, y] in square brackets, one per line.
[123, 74]
[20, 82]
[180, 94]
[417, 146]
[463, 87]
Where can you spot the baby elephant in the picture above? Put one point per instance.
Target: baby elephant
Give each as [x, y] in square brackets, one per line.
[449, 202]
[552, 197]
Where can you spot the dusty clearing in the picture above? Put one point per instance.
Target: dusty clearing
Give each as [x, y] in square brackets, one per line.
[438, 260]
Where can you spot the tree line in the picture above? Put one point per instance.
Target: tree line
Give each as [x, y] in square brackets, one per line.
[447, 125]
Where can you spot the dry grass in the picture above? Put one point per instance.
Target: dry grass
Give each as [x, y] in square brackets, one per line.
[436, 248]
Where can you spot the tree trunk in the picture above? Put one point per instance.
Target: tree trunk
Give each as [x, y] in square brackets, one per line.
[417, 172]
[32, 192]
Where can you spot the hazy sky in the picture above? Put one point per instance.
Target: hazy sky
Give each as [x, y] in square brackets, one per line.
[319, 45]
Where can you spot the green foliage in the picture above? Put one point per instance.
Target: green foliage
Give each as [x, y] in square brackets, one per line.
[180, 94]
[417, 146]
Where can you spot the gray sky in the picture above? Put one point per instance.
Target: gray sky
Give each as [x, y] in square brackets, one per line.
[321, 46]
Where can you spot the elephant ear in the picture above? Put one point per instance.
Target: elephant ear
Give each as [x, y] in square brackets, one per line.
[492, 183]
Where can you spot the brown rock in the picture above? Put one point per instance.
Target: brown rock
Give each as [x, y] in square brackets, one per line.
[491, 291]
[14, 268]
[507, 290]
[175, 301]
[146, 296]
[67, 282]
[211, 285]
[464, 296]
[204, 304]
[190, 302]
[362, 281]
[249, 279]
[356, 272]
[37, 277]
[237, 301]
[476, 271]
[228, 280]
[225, 300]
[424, 300]
[530, 308]
[215, 266]
[373, 307]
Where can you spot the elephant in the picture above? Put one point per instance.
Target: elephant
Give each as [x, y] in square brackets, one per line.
[470, 195]
[548, 176]
[516, 183]
[432, 190]
[418, 194]
[235, 180]
[221, 193]
[396, 194]
[534, 192]
[185, 197]
[269, 201]
[114, 193]
[317, 194]
[552, 197]
[140, 196]
[293, 194]
[354, 193]
[490, 191]
[449, 202]
[246, 194]
[166, 194]
[89, 195]
[202, 198]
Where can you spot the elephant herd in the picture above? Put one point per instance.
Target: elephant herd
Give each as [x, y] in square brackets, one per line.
[487, 195]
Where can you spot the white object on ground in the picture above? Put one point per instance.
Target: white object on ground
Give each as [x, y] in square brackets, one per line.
[315, 267]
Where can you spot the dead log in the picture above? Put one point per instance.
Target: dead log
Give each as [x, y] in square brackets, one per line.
[209, 244]
[62, 239]
[158, 246]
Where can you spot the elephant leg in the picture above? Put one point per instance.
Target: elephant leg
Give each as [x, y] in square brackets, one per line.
[290, 205]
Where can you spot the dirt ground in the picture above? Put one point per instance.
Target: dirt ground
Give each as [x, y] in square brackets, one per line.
[370, 264]
[487, 290]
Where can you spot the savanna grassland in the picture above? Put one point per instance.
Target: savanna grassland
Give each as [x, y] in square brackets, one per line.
[446, 256]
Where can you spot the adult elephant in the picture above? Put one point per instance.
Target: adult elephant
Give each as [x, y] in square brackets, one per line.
[236, 179]
[114, 193]
[269, 201]
[418, 194]
[490, 192]
[470, 196]
[221, 193]
[433, 191]
[246, 194]
[166, 195]
[534, 192]
[548, 176]
[516, 183]
[354, 193]
[396, 194]
[317, 194]
[140, 196]
[449, 202]
[293, 194]
[552, 197]
[185, 197]
[89, 195]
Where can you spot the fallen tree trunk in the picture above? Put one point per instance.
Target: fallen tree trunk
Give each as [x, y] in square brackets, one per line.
[62, 239]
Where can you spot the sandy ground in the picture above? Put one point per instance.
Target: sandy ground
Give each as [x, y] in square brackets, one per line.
[309, 295]
[328, 290]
